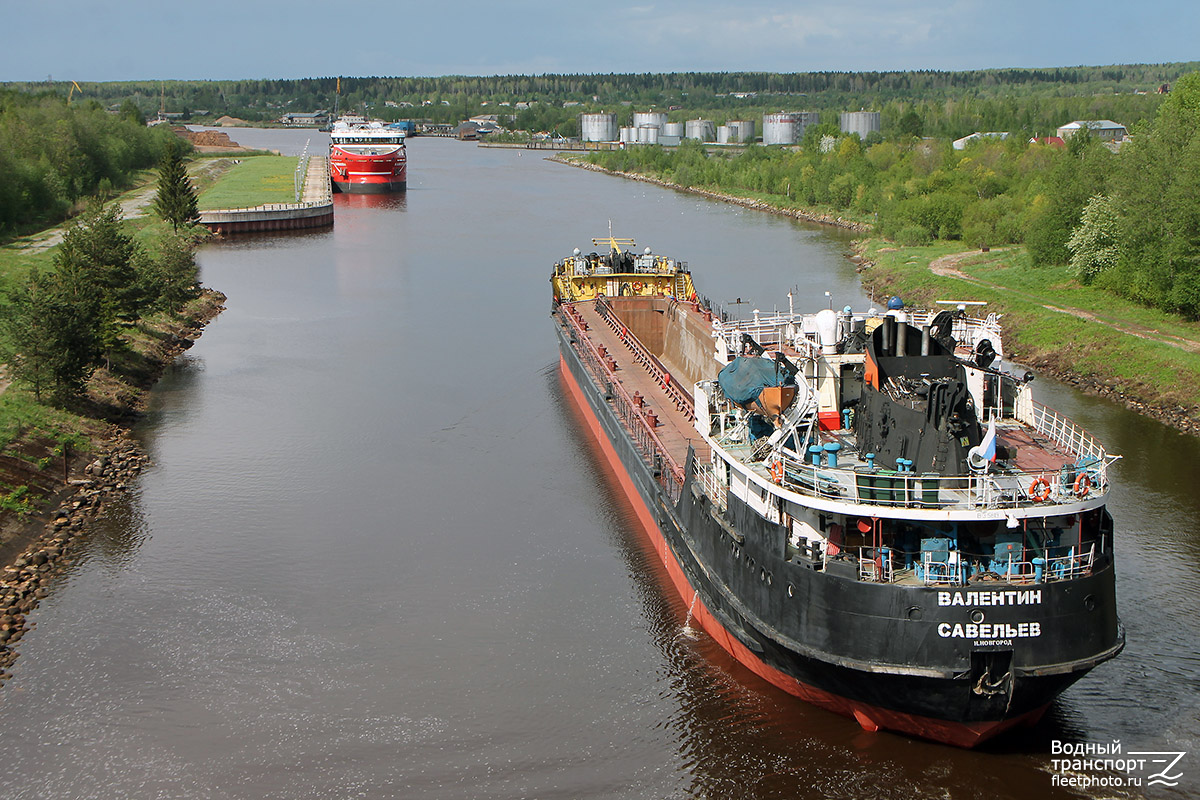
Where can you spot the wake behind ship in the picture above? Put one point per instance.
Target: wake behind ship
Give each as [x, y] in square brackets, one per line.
[367, 157]
[864, 509]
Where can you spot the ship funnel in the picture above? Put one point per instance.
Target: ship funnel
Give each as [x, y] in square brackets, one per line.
[827, 330]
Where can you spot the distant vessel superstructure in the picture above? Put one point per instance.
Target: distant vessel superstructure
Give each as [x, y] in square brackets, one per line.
[367, 157]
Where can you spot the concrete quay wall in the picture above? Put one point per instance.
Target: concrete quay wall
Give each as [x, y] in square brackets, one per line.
[314, 211]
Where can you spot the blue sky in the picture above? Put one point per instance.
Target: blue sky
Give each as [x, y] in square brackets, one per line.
[219, 39]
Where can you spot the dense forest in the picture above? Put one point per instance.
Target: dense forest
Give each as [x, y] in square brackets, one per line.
[1128, 220]
[949, 103]
[54, 154]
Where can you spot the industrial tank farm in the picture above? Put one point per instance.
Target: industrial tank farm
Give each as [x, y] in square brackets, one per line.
[778, 128]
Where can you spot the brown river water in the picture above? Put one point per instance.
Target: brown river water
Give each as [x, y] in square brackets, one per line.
[375, 558]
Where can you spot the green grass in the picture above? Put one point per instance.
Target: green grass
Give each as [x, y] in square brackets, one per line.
[254, 182]
[1014, 270]
[23, 418]
[1152, 371]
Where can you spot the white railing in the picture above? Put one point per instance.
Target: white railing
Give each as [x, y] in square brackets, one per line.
[889, 488]
[875, 565]
[1072, 565]
[771, 330]
[1062, 431]
[967, 331]
[717, 492]
[301, 174]
[938, 571]
[1016, 571]
[955, 568]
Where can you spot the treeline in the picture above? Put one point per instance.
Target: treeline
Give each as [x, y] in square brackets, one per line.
[455, 97]
[54, 154]
[58, 326]
[1140, 236]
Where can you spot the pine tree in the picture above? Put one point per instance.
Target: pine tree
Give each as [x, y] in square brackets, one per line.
[96, 256]
[172, 279]
[176, 199]
[52, 337]
[25, 321]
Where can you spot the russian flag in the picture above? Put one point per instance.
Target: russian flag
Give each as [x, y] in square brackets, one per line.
[985, 452]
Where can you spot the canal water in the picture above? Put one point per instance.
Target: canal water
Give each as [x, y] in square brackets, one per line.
[375, 557]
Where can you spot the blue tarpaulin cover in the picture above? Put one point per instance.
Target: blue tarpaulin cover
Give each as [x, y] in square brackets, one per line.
[743, 379]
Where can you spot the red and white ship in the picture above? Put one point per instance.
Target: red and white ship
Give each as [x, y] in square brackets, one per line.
[367, 157]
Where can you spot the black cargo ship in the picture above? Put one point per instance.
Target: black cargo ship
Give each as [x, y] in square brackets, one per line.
[864, 509]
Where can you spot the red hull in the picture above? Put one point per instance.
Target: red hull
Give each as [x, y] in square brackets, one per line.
[871, 718]
[353, 172]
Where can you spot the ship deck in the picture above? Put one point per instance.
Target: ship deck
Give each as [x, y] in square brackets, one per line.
[674, 427]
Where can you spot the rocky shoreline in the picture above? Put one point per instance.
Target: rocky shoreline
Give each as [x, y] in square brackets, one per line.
[45, 541]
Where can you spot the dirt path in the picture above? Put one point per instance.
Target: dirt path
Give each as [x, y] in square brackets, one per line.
[947, 267]
[133, 205]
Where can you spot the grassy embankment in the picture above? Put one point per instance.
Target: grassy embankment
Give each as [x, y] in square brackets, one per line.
[254, 181]
[34, 435]
[1148, 359]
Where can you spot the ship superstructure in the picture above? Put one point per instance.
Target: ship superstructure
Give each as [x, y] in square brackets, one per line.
[367, 157]
[867, 509]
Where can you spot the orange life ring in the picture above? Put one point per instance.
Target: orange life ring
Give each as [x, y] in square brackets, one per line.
[777, 472]
[637, 286]
[1083, 484]
[1035, 495]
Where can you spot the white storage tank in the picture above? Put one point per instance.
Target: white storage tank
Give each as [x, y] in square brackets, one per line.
[702, 130]
[598, 127]
[723, 134]
[673, 129]
[779, 128]
[629, 135]
[741, 131]
[649, 118]
[647, 134]
[860, 122]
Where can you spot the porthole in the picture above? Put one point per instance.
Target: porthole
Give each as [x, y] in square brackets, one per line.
[1089, 602]
[976, 615]
[791, 590]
